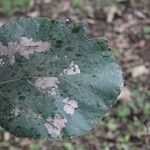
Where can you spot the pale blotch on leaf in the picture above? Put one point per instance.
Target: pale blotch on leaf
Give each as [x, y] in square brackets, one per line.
[47, 82]
[53, 91]
[25, 48]
[72, 70]
[16, 111]
[49, 119]
[55, 125]
[49, 127]
[1, 62]
[70, 106]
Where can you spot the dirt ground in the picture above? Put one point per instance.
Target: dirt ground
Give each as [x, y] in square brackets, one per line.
[126, 25]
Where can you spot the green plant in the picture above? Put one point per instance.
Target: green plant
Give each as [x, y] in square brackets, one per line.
[122, 111]
[54, 80]
[79, 4]
[146, 30]
[7, 6]
[68, 146]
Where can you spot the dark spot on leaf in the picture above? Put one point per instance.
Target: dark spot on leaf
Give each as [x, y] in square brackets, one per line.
[17, 129]
[65, 134]
[109, 48]
[49, 135]
[94, 75]
[18, 92]
[76, 29]
[19, 62]
[65, 90]
[78, 55]
[59, 43]
[10, 119]
[53, 100]
[13, 74]
[29, 90]
[68, 48]
[53, 21]
[61, 95]
[33, 133]
[50, 72]
[22, 97]
[38, 75]
[69, 95]
[99, 43]
[8, 90]
[40, 69]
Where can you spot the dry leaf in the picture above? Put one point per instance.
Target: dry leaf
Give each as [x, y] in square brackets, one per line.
[34, 14]
[139, 71]
[125, 94]
[111, 14]
[6, 136]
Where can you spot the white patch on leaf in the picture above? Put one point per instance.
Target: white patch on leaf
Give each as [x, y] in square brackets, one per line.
[55, 125]
[53, 91]
[1, 62]
[72, 70]
[70, 106]
[139, 71]
[47, 82]
[49, 119]
[49, 127]
[25, 48]
[58, 122]
[16, 111]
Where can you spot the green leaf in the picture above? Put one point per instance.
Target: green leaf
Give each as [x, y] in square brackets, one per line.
[78, 4]
[111, 125]
[146, 29]
[123, 111]
[81, 148]
[8, 6]
[54, 80]
[68, 146]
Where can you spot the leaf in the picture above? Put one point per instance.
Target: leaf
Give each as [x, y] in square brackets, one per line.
[146, 30]
[79, 4]
[54, 81]
[68, 146]
[138, 71]
[8, 6]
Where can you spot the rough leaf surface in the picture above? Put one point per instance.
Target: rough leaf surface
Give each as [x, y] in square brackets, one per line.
[54, 80]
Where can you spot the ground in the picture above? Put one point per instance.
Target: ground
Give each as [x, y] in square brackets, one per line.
[126, 25]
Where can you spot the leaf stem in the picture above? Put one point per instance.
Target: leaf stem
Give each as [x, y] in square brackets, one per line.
[9, 81]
